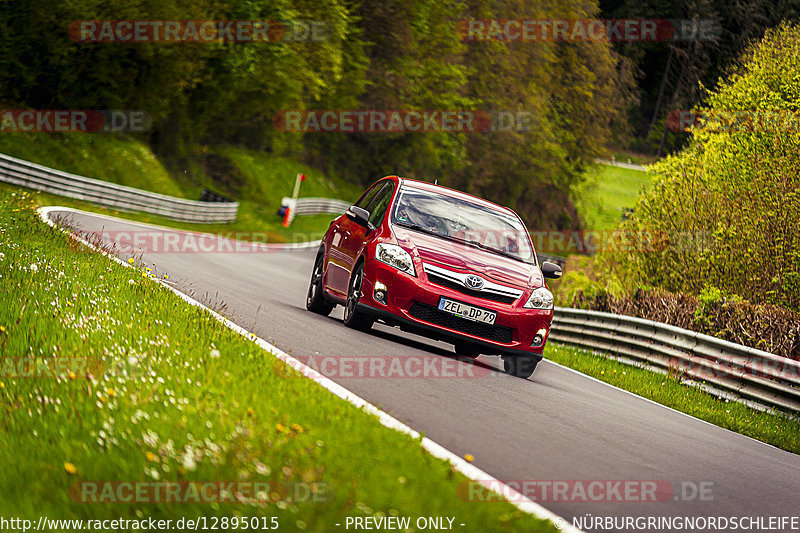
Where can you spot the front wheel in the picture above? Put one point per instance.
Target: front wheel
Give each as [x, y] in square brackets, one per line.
[353, 318]
[521, 366]
[315, 300]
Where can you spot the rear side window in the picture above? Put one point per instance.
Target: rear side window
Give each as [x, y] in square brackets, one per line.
[377, 208]
[370, 195]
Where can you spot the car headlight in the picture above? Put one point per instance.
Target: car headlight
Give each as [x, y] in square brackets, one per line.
[393, 255]
[541, 298]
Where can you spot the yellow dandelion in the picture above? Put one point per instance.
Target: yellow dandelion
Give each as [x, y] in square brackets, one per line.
[469, 458]
[70, 469]
[130, 260]
[110, 393]
[102, 398]
[151, 456]
[2, 329]
[280, 427]
[166, 276]
[71, 374]
[602, 371]
[250, 411]
[2, 385]
[297, 427]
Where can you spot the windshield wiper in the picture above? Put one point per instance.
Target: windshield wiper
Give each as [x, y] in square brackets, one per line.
[482, 246]
[417, 227]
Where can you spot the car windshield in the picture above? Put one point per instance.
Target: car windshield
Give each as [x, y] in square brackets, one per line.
[459, 220]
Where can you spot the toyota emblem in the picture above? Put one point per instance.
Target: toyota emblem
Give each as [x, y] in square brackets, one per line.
[473, 282]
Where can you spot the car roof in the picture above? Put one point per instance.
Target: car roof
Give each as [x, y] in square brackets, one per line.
[447, 191]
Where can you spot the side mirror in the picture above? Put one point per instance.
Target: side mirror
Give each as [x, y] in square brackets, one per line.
[359, 215]
[551, 270]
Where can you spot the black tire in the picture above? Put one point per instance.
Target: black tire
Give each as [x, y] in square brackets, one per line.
[521, 366]
[353, 318]
[315, 299]
[466, 349]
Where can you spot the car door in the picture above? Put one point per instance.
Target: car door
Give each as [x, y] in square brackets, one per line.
[340, 264]
[359, 234]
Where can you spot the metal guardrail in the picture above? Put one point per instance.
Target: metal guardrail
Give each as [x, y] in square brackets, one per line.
[27, 174]
[614, 163]
[313, 206]
[748, 373]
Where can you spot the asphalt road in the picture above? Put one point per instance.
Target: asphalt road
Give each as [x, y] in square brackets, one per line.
[558, 425]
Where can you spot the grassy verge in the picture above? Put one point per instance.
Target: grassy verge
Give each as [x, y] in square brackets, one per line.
[778, 430]
[604, 194]
[116, 158]
[150, 389]
[257, 180]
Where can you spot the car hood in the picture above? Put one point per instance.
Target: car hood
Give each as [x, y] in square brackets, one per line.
[459, 256]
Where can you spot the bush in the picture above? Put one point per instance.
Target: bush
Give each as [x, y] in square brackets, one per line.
[727, 208]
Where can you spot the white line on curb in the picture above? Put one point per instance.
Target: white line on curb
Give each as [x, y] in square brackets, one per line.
[653, 402]
[521, 502]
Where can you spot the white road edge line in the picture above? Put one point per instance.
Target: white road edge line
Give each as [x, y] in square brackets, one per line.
[521, 502]
[656, 403]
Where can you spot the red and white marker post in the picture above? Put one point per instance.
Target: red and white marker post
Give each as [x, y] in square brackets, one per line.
[287, 216]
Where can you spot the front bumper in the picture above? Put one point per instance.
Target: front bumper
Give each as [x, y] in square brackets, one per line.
[412, 303]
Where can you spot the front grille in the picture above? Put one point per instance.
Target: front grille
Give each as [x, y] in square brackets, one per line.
[444, 282]
[433, 315]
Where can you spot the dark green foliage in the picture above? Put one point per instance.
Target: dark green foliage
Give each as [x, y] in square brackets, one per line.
[694, 63]
[405, 55]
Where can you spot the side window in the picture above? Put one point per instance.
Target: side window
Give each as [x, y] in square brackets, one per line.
[370, 195]
[378, 208]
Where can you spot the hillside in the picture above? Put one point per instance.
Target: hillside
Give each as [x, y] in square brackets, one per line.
[255, 179]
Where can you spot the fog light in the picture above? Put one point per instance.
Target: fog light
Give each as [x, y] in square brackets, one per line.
[538, 339]
[379, 293]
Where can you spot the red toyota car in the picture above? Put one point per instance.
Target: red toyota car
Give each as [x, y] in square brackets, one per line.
[441, 263]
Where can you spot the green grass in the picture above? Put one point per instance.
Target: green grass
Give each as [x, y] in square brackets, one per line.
[776, 429]
[110, 157]
[606, 191]
[127, 161]
[170, 394]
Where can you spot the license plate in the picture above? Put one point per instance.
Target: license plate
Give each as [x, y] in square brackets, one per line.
[467, 311]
